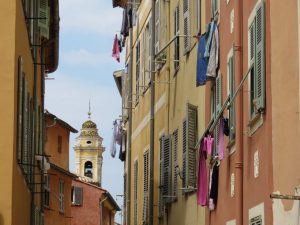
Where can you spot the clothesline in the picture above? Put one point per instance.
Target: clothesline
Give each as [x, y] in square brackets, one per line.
[228, 102]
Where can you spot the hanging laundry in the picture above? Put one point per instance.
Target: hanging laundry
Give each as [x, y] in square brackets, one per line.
[130, 18]
[122, 153]
[119, 3]
[116, 49]
[209, 143]
[201, 62]
[211, 29]
[202, 176]
[213, 62]
[113, 141]
[221, 139]
[226, 126]
[214, 183]
[124, 27]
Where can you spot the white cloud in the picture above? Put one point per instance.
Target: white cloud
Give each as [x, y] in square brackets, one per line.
[84, 57]
[90, 17]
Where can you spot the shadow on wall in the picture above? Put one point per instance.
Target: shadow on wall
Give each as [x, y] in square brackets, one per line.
[1, 220]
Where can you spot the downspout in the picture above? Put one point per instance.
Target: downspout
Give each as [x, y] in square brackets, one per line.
[238, 41]
[152, 102]
[101, 202]
[128, 159]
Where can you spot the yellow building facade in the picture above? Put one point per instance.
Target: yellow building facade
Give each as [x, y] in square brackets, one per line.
[22, 69]
[178, 113]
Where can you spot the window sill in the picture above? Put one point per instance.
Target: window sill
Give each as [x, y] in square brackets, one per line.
[255, 123]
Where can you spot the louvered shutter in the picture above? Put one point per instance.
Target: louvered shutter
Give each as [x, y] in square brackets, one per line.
[149, 50]
[192, 127]
[78, 195]
[177, 41]
[20, 109]
[184, 153]
[216, 138]
[25, 128]
[167, 168]
[157, 25]
[175, 163]
[260, 56]
[161, 181]
[232, 107]
[186, 26]
[135, 196]
[43, 22]
[218, 93]
[146, 188]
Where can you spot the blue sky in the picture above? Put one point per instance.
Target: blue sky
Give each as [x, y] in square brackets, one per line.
[87, 29]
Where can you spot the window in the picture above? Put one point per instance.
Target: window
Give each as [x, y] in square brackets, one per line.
[135, 196]
[177, 40]
[61, 196]
[77, 195]
[59, 143]
[190, 135]
[88, 169]
[43, 22]
[218, 107]
[256, 220]
[186, 26]
[146, 188]
[231, 81]
[20, 109]
[257, 62]
[148, 54]
[47, 191]
[157, 25]
[137, 73]
[175, 163]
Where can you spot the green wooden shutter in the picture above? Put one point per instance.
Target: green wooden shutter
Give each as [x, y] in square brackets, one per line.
[260, 57]
[186, 26]
[167, 168]
[175, 163]
[43, 22]
[135, 186]
[184, 153]
[161, 180]
[218, 93]
[192, 128]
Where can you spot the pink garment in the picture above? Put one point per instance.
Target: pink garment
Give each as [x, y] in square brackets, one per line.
[202, 176]
[209, 144]
[116, 49]
[221, 140]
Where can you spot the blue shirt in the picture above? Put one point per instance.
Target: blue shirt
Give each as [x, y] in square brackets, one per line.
[201, 62]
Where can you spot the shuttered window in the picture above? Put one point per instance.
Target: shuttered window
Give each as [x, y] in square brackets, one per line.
[218, 105]
[177, 40]
[25, 157]
[148, 55]
[231, 93]
[257, 61]
[137, 72]
[256, 220]
[186, 26]
[20, 109]
[161, 203]
[175, 163]
[190, 135]
[61, 196]
[77, 196]
[167, 169]
[157, 25]
[135, 195]
[43, 22]
[47, 190]
[146, 188]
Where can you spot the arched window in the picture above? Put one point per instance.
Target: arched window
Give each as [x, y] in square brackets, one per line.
[88, 169]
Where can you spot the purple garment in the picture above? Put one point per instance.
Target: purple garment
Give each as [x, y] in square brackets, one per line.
[221, 139]
[209, 144]
[202, 176]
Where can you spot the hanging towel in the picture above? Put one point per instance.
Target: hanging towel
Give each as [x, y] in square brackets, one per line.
[125, 25]
[201, 62]
[202, 176]
[116, 49]
[221, 139]
[122, 152]
[209, 144]
[213, 62]
[113, 141]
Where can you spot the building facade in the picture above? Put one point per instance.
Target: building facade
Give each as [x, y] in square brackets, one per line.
[30, 49]
[57, 181]
[246, 89]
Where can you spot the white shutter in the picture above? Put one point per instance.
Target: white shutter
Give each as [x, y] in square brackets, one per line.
[186, 26]
[43, 21]
[218, 89]
[167, 169]
[161, 204]
[184, 153]
[157, 25]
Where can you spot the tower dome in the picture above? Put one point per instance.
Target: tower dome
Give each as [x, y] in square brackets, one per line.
[89, 124]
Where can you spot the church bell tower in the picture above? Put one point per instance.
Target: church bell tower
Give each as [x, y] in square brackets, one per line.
[88, 152]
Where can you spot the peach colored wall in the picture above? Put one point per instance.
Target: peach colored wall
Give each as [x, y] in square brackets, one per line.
[52, 214]
[51, 147]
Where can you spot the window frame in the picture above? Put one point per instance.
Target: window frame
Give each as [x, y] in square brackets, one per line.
[61, 196]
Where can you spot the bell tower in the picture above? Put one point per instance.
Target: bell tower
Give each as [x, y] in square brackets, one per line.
[88, 152]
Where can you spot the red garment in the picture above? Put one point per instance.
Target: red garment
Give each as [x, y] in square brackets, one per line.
[116, 49]
[202, 176]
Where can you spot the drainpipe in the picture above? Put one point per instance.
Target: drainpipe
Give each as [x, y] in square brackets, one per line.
[238, 41]
[128, 159]
[152, 102]
[101, 202]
